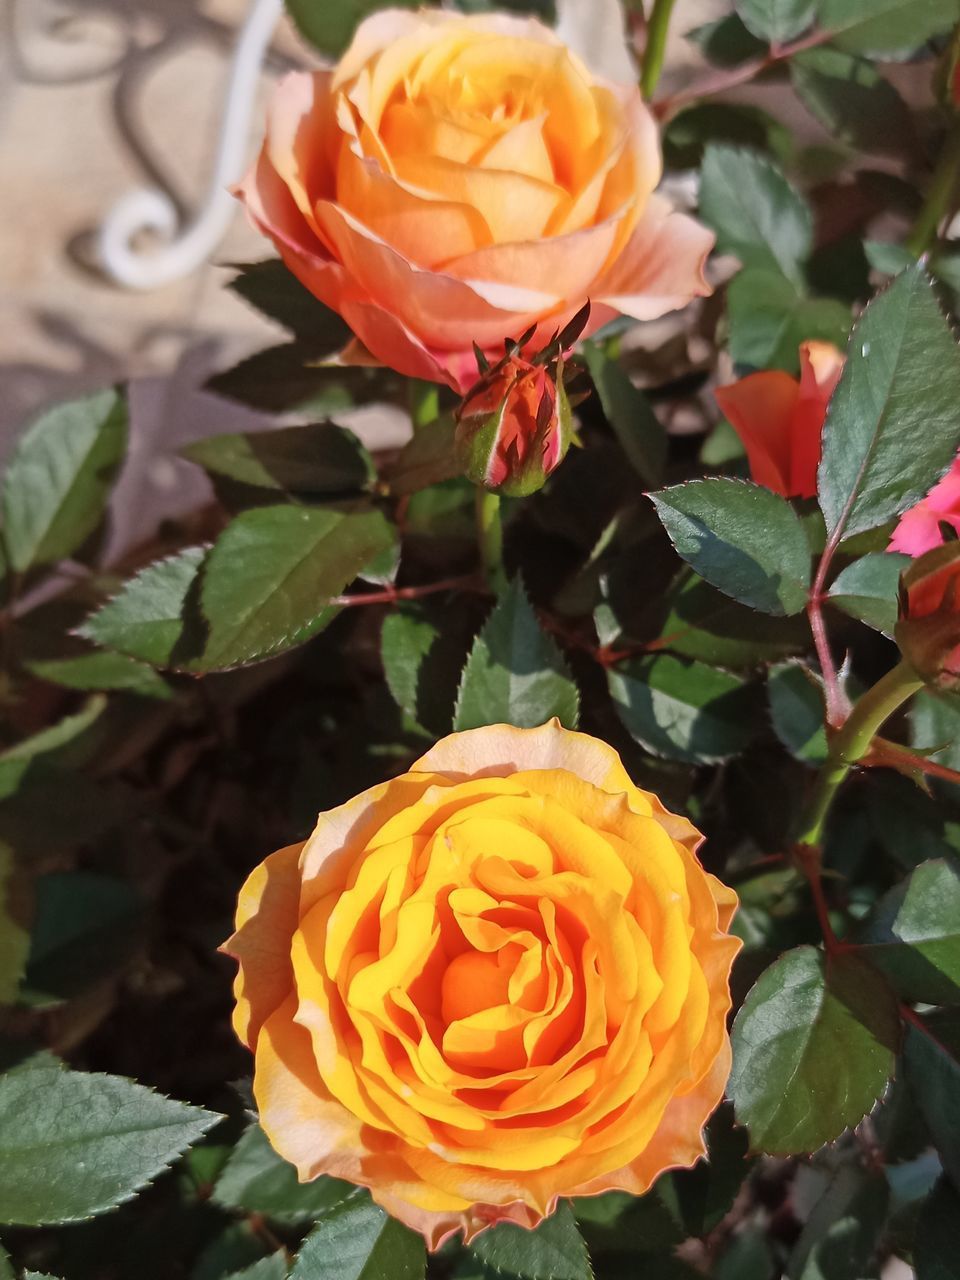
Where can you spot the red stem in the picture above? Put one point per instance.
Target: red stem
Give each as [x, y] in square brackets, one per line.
[389, 595]
[724, 80]
[887, 753]
[838, 707]
[808, 859]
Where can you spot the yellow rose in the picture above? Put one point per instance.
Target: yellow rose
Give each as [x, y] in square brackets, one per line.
[495, 980]
[460, 179]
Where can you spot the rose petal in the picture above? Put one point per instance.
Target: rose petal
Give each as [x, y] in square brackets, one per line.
[661, 268]
[440, 309]
[761, 409]
[267, 911]
[499, 750]
[820, 367]
[919, 528]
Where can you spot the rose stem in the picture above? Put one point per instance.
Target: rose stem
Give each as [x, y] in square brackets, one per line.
[937, 202]
[848, 746]
[837, 705]
[490, 539]
[721, 81]
[656, 46]
[852, 742]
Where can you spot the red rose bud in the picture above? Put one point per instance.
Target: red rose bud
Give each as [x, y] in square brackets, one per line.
[514, 427]
[928, 632]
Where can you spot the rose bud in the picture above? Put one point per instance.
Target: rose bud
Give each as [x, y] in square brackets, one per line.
[928, 632]
[514, 427]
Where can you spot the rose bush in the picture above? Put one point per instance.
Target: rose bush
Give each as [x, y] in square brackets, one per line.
[489, 996]
[461, 179]
[499, 978]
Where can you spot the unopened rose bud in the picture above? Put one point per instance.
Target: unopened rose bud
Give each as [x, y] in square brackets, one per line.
[514, 427]
[928, 632]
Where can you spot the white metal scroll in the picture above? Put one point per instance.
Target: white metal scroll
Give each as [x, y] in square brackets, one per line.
[184, 248]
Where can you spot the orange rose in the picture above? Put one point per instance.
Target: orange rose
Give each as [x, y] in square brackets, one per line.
[495, 980]
[459, 179]
[780, 420]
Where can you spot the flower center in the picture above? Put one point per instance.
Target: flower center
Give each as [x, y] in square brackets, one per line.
[473, 981]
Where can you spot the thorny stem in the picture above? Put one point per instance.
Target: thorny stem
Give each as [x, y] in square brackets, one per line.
[656, 46]
[465, 582]
[490, 539]
[852, 742]
[837, 705]
[743, 74]
[943, 185]
[887, 754]
[849, 745]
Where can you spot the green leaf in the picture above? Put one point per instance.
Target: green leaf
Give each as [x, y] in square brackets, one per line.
[867, 589]
[777, 20]
[422, 650]
[47, 746]
[293, 377]
[840, 1237]
[852, 100]
[748, 1256]
[144, 620]
[553, 1251]
[356, 1240]
[321, 461]
[515, 673]
[888, 259]
[427, 458]
[932, 1061]
[101, 671]
[268, 580]
[273, 1267]
[683, 710]
[628, 411]
[84, 928]
[887, 28]
[706, 1193]
[935, 1254]
[277, 293]
[742, 538]
[770, 317]
[892, 428]
[329, 24]
[935, 726]
[797, 711]
[739, 124]
[6, 1266]
[256, 1180]
[14, 937]
[755, 212]
[618, 1223]
[812, 1050]
[74, 1144]
[913, 934]
[726, 42]
[702, 623]
[57, 483]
